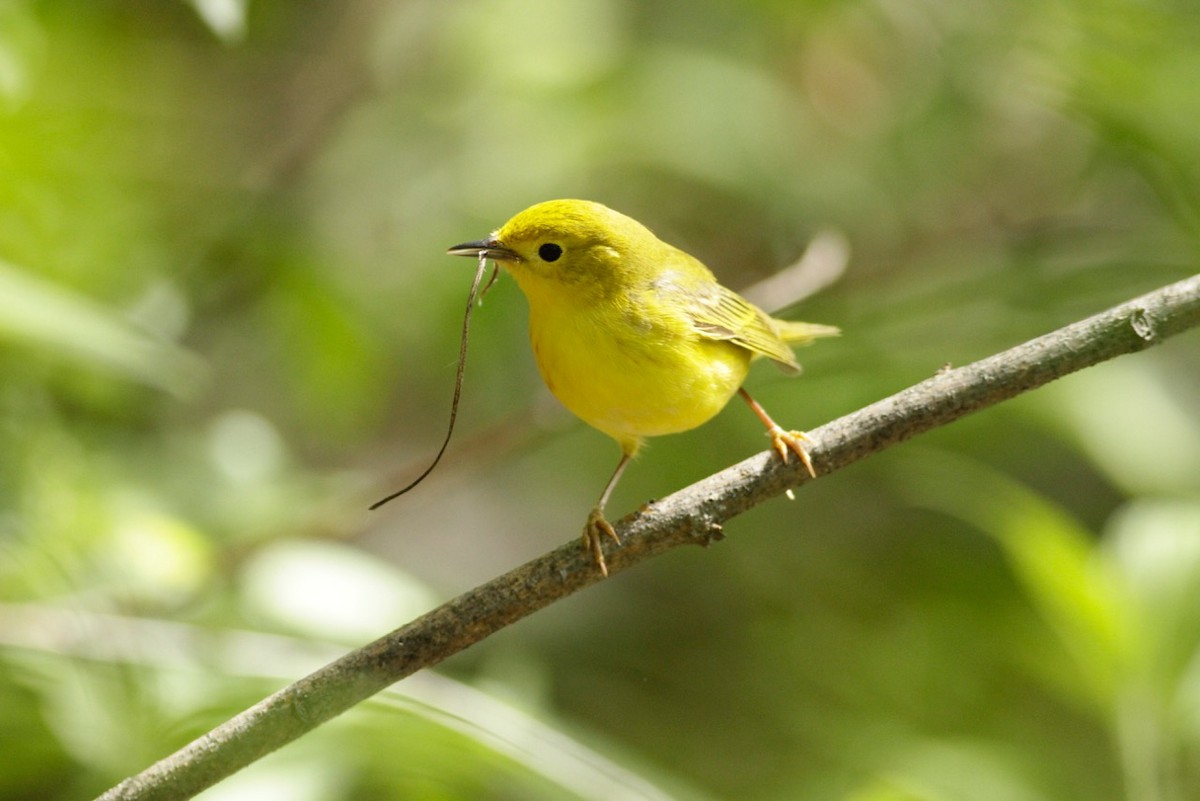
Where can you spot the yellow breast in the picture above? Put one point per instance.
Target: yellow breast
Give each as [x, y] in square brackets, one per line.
[627, 377]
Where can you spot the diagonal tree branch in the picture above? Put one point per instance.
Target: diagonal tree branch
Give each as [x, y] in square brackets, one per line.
[692, 515]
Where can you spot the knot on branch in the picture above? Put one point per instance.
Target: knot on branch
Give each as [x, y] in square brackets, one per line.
[705, 530]
[1142, 324]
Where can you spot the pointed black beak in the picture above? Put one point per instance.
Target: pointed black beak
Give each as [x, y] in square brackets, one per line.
[488, 248]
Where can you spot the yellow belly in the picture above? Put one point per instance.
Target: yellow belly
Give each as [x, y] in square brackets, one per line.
[632, 382]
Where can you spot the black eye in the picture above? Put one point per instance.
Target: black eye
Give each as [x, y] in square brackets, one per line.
[550, 252]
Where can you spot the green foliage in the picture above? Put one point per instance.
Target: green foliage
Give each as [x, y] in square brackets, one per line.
[226, 326]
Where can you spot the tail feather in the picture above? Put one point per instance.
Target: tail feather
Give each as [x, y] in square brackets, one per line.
[797, 333]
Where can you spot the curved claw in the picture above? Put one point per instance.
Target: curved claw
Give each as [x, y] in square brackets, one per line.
[783, 441]
[597, 527]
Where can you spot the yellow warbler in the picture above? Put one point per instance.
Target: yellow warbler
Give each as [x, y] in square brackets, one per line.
[635, 336]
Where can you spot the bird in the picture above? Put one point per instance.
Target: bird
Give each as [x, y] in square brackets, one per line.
[634, 336]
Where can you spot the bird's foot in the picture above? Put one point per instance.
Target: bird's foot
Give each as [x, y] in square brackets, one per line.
[793, 441]
[596, 528]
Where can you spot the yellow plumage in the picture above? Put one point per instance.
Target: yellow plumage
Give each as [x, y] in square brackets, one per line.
[633, 335]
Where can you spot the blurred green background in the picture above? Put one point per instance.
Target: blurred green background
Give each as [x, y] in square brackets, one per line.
[227, 325]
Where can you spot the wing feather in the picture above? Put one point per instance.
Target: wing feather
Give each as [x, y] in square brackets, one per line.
[720, 313]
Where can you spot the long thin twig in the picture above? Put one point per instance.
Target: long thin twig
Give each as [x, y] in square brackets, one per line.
[692, 515]
[459, 372]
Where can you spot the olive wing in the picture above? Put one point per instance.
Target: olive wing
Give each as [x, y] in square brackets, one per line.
[720, 313]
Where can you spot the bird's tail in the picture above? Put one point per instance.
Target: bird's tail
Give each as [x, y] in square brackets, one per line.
[797, 333]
